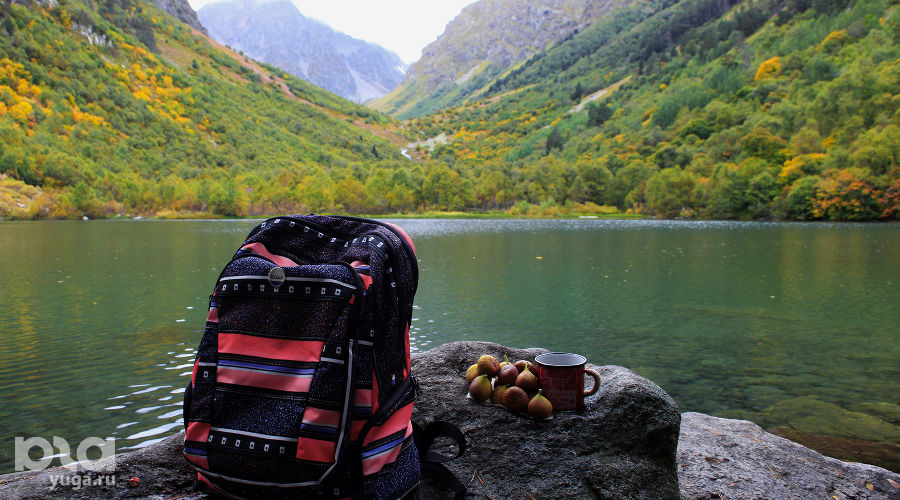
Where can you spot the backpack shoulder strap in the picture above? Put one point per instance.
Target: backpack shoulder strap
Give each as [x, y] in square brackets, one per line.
[432, 461]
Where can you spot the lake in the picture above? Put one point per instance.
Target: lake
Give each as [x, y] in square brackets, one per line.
[793, 326]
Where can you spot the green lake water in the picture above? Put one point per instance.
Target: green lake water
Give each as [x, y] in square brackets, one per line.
[793, 326]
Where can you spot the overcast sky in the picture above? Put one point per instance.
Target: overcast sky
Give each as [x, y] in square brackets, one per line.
[402, 26]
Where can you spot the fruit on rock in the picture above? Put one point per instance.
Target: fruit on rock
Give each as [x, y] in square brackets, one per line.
[497, 395]
[539, 407]
[527, 381]
[521, 364]
[480, 389]
[507, 375]
[488, 365]
[515, 400]
[471, 373]
[505, 361]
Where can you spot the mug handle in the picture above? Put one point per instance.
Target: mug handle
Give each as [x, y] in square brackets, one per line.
[593, 389]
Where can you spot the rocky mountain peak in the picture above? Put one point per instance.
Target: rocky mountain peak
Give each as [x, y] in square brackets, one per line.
[485, 39]
[277, 33]
[181, 10]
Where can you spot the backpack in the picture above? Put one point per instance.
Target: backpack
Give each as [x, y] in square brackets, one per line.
[302, 385]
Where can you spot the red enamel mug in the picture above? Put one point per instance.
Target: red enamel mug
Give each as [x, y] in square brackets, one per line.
[561, 375]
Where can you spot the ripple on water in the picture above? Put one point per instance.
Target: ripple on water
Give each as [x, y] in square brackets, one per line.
[150, 389]
[154, 431]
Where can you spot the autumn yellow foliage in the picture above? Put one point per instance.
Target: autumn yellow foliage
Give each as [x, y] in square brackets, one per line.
[770, 68]
[648, 115]
[20, 111]
[798, 166]
[834, 41]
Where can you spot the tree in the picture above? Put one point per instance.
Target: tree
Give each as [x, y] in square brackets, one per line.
[727, 191]
[889, 202]
[798, 204]
[578, 192]
[761, 190]
[85, 200]
[668, 192]
[598, 114]
[763, 144]
[627, 179]
[845, 195]
[577, 93]
[554, 140]
[444, 189]
[350, 195]
[770, 68]
[596, 179]
[698, 127]
[667, 112]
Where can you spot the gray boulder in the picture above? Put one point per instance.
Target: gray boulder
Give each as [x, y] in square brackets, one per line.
[737, 459]
[620, 446]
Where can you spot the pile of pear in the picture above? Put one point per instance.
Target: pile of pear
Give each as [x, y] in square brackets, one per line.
[512, 385]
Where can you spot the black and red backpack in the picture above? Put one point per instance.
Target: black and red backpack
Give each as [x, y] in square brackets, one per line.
[302, 384]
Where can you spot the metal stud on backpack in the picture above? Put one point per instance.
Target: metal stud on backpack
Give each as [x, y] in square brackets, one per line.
[302, 383]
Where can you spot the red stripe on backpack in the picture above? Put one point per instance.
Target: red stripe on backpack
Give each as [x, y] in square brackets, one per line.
[315, 450]
[287, 383]
[260, 249]
[399, 421]
[263, 347]
[197, 431]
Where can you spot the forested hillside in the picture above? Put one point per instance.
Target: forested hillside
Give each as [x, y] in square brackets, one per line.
[481, 43]
[700, 108]
[114, 107]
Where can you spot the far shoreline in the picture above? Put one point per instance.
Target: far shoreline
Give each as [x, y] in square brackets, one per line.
[453, 215]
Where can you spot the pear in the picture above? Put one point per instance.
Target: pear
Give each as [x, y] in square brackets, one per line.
[515, 400]
[471, 373]
[507, 375]
[480, 389]
[488, 365]
[527, 381]
[497, 395]
[539, 407]
[522, 364]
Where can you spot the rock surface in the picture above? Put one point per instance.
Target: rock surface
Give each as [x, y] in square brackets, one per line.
[181, 10]
[622, 445]
[160, 468]
[724, 458]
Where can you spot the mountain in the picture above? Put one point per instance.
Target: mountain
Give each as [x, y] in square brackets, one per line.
[277, 33]
[111, 107]
[714, 109]
[721, 109]
[483, 41]
[181, 10]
